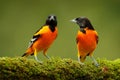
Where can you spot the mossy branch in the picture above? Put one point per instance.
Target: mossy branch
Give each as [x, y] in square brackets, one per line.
[57, 69]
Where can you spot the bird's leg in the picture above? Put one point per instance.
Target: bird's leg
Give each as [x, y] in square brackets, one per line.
[95, 62]
[79, 59]
[44, 52]
[35, 56]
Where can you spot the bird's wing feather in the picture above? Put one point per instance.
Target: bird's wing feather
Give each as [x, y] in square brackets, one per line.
[77, 39]
[97, 38]
[35, 37]
[38, 34]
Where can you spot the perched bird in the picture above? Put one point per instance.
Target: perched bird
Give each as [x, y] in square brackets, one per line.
[43, 38]
[87, 39]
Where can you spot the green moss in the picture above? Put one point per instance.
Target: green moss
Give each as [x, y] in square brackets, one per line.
[57, 69]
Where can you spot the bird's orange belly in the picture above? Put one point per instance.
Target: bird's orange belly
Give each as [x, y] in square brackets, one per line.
[45, 41]
[86, 44]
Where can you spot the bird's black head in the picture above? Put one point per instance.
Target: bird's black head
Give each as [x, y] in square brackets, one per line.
[51, 21]
[83, 22]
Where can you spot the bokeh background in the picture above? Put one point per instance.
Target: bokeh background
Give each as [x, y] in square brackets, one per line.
[19, 20]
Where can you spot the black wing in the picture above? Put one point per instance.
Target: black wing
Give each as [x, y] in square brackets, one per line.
[97, 39]
[35, 37]
[33, 40]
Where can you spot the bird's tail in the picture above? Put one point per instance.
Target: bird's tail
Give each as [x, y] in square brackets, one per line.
[25, 55]
[28, 52]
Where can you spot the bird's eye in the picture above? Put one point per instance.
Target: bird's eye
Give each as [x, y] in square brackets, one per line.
[55, 17]
[49, 16]
[77, 19]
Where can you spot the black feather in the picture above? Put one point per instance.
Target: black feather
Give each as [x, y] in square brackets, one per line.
[33, 40]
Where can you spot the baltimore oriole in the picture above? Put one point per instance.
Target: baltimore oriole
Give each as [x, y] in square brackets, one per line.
[87, 39]
[43, 38]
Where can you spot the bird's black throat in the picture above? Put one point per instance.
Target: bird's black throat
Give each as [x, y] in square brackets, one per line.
[52, 24]
[82, 30]
[52, 28]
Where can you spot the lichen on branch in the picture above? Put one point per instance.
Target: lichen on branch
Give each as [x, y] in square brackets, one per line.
[57, 69]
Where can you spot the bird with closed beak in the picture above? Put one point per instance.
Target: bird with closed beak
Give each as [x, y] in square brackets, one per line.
[86, 39]
[43, 38]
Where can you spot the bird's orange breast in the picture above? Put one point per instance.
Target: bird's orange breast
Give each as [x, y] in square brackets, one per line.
[46, 39]
[86, 42]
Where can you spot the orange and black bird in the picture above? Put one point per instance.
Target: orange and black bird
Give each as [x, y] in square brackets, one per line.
[87, 39]
[43, 38]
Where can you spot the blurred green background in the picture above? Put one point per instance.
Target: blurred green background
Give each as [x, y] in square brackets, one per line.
[19, 20]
